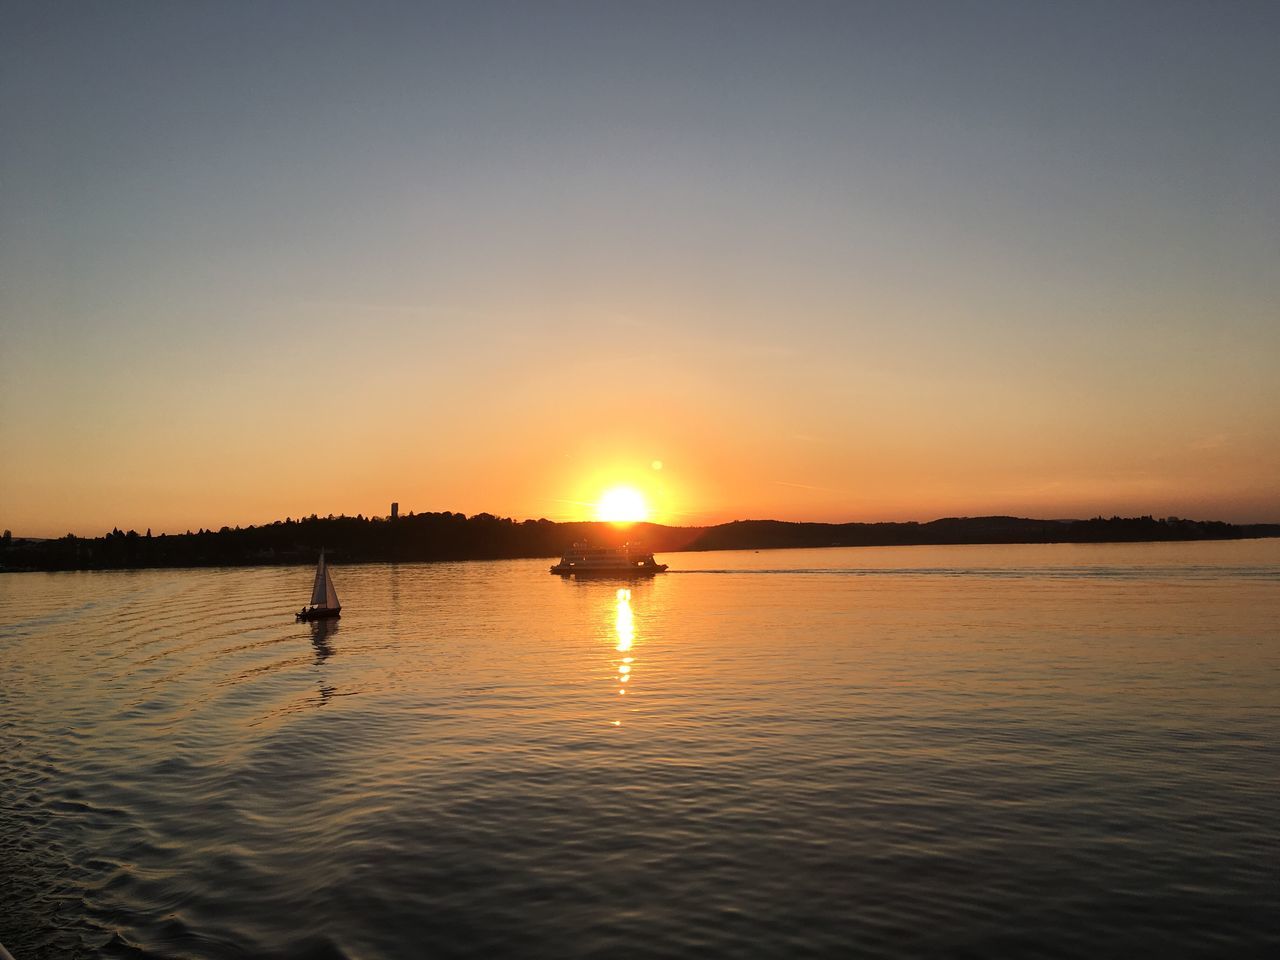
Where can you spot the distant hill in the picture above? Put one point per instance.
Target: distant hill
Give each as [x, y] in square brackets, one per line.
[453, 536]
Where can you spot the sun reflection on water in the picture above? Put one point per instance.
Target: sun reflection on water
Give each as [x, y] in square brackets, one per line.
[624, 626]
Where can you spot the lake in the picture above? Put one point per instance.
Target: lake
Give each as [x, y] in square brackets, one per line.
[1039, 750]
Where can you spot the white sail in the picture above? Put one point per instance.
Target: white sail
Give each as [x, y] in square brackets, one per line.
[330, 594]
[319, 594]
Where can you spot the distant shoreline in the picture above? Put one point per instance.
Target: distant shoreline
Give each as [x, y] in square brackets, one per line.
[454, 537]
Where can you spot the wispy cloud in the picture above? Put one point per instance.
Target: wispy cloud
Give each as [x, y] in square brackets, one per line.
[810, 486]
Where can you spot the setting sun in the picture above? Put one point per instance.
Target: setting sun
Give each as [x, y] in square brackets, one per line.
[622, 505]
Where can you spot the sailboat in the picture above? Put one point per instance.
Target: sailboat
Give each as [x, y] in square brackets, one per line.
[324, 599]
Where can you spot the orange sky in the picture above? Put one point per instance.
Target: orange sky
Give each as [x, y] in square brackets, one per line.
[741, 432]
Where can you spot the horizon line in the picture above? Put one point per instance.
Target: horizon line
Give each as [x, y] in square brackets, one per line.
[616, 523]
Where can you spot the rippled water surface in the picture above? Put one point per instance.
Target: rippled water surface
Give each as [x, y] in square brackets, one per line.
[1015, 750]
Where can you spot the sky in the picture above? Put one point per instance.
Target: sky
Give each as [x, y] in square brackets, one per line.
[805, 261]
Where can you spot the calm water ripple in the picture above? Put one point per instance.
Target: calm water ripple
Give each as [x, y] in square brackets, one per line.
[965, 751]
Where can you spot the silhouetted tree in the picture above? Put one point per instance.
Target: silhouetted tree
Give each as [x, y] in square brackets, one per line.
[453, 536]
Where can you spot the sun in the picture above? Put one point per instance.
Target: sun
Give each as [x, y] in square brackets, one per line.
[622, 505]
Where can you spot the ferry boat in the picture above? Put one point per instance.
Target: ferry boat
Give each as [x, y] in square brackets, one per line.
[628, 560]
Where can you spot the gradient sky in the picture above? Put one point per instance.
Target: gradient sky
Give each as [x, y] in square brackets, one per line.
[824, 261]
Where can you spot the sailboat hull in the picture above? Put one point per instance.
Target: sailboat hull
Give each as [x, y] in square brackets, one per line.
[319, 613]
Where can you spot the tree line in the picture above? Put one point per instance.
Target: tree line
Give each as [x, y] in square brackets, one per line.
[455, 536]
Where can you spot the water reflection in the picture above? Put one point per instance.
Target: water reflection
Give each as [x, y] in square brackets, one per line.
[322, 631]
[624, 626]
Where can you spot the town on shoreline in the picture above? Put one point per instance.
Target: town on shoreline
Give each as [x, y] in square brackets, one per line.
[454, 536]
